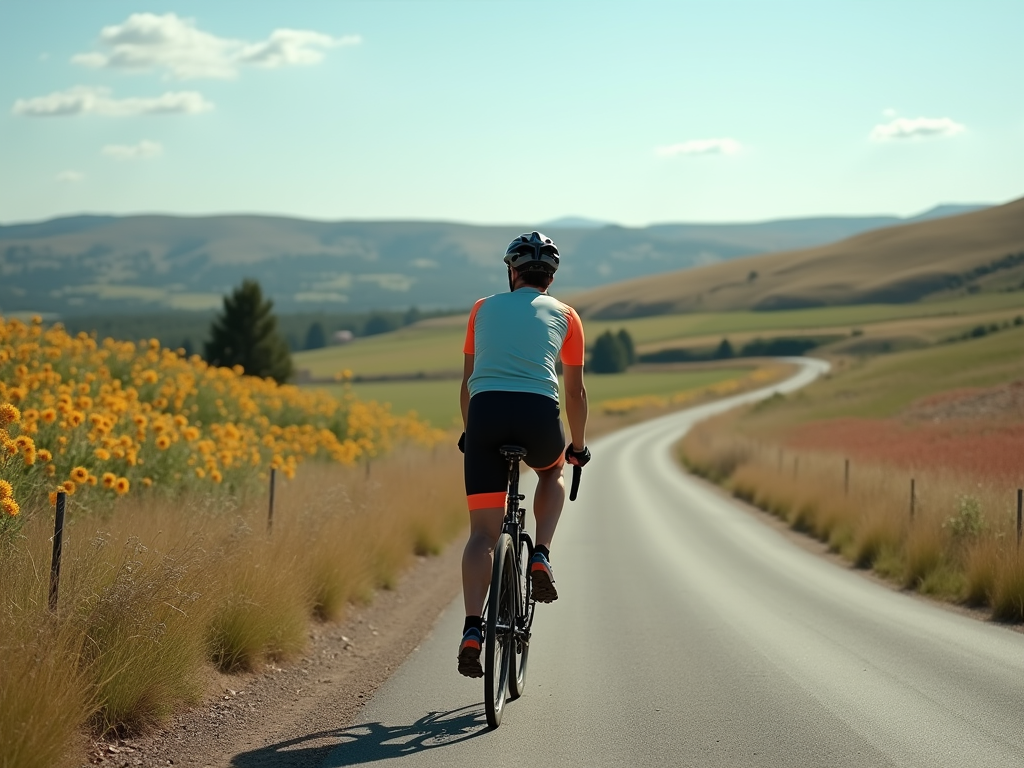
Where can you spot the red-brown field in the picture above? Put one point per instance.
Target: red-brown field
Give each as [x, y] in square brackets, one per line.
[985, 450]
[976, 432]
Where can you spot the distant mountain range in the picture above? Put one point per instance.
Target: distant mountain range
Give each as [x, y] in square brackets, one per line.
[109, 264]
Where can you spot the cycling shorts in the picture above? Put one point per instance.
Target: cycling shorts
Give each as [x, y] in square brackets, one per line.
[497, 418]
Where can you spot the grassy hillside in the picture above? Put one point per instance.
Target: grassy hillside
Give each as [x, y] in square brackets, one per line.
[434, 346]
[77, 265]
[981, 251]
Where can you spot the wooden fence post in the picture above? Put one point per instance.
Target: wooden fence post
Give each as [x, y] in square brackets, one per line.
[58, 548]
[1020, 508]
[270, 511]
[913, 499]
[846, 477]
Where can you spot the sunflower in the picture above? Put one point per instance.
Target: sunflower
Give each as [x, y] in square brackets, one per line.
[109, 479]
[48, 415]
[9, 414]
[121, 486]
[163, 442]
[10, 507]
[102, 454]
[79, 474]
[68, 487]
[6, 490]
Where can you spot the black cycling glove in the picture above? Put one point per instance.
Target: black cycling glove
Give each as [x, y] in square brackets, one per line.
[462, 442]
[577, 458]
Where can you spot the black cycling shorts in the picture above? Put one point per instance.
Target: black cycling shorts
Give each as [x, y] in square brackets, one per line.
[526, 419]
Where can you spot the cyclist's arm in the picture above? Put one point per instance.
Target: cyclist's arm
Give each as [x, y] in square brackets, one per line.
[467, 371]
[576, 404]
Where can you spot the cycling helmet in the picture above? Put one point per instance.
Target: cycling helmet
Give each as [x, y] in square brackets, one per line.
[532, 251]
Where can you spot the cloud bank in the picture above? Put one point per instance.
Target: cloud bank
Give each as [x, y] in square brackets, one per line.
[85, 100]
[916, 128]
[141, 151]
[701, 147]
[147, 41]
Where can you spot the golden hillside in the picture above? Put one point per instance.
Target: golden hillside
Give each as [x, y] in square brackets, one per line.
[979, 251]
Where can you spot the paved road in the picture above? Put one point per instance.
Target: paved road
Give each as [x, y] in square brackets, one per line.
[688, 633]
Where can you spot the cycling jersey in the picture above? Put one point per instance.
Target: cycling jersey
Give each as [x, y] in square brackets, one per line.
[515, 339]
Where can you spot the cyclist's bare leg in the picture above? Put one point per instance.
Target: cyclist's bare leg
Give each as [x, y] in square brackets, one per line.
[548, 502]
[484, 529]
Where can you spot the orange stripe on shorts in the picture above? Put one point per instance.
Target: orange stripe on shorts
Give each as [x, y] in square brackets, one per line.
[487, 500]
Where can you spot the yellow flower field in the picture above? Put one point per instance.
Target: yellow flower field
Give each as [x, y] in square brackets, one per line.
[103, 419]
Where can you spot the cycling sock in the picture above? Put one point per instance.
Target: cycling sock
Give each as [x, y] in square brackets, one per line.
[541, 549]
[473, 622]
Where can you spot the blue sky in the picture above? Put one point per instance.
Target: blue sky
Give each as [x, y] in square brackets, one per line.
[502, 112]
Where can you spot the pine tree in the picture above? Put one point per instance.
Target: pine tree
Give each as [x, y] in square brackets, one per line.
[627, 343]
[724, 351]
[609, 355]
[315, 336]
[245, 334]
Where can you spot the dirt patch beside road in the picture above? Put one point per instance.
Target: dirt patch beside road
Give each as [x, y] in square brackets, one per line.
[320, 693]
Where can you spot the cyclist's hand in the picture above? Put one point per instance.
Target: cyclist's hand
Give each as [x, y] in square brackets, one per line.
[462, 442]
[577, 458]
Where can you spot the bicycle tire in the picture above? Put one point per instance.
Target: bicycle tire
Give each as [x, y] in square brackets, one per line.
[499, 643]
[525, 607]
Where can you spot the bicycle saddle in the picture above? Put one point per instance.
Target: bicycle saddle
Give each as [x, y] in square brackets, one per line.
[512, 451]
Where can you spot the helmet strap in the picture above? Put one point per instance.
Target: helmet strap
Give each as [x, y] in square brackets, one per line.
[511, 284]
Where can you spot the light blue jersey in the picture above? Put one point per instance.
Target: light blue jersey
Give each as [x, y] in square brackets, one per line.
[516, 338]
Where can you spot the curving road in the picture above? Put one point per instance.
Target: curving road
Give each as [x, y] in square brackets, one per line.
[690, 634]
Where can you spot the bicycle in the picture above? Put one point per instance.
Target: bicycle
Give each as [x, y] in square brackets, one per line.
[508, 615]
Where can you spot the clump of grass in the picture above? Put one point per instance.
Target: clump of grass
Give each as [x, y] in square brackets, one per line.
[1008, 589]
[143, 646]
[922, 554]
[981, 569]
[44, 693]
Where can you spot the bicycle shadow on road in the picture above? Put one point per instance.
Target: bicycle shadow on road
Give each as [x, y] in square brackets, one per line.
[369, 742]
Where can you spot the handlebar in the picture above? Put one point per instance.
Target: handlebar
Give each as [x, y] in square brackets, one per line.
[577, 472]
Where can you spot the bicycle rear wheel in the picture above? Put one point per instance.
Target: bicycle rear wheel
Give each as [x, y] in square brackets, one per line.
[524, 621]
[499, 643]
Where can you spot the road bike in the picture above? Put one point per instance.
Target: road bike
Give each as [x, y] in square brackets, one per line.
[508, 615]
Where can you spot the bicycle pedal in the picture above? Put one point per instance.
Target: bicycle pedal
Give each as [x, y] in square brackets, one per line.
[522, 497]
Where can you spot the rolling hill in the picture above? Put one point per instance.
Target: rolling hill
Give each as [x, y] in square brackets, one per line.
[86, 265]
[979, 251]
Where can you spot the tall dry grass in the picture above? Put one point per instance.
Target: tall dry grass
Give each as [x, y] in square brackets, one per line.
[157, 592]
[959, 544]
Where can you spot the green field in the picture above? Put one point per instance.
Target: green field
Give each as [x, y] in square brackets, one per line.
[438, 401]
[882, 386]
[437, 345]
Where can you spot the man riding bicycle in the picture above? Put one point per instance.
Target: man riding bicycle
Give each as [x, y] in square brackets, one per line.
[510, 396]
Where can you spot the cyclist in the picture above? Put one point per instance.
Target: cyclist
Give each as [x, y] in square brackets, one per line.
[510, 396]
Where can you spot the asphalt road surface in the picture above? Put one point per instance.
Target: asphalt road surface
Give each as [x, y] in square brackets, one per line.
[689, 633]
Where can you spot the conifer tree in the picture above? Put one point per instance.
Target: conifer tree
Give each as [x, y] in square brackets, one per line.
[609, 355]
[245, 333]
[315, 337]
[627, 344]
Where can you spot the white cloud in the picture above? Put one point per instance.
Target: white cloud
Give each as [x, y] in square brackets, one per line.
[82, 100]
[701, 147]
[916, 128]
[147, 41]
[70, 177]
[144, 149]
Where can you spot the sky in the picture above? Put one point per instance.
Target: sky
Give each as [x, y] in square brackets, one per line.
[494, 112]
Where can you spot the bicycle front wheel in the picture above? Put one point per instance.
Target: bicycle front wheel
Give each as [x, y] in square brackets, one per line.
[499, 643]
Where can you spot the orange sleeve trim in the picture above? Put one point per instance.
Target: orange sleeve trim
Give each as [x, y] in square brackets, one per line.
[469, 347]
[574, 346]
[487, 500]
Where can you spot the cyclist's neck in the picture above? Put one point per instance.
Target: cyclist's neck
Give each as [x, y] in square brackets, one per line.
[529, 288]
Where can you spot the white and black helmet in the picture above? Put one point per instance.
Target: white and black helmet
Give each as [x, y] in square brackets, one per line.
[532, 251]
